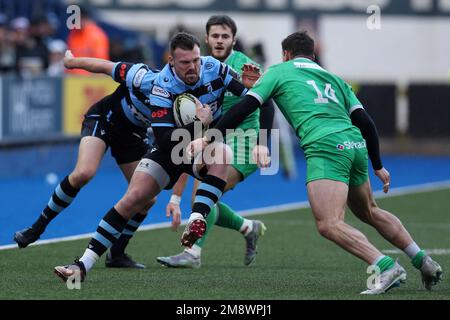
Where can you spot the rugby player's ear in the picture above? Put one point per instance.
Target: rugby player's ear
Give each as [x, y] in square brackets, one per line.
[170, 60]
[206, 38]
[285, 55]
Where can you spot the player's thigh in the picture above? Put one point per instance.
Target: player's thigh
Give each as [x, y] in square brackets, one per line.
[142, 188]
[90, 154]
[128, 169]
[361, 201]
[327, 199]
[94, 139]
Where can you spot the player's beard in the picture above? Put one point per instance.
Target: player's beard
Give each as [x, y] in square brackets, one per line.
[191, 78]
[223, 54]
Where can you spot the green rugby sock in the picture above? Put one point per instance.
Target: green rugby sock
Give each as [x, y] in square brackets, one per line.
[385, 263]
[228, 218]
[418, 258]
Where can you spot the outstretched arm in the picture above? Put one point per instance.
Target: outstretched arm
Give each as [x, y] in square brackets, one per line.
[93, 65]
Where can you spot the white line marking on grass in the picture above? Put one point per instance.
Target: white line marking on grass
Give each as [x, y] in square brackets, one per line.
[425, 187]
[436, 252]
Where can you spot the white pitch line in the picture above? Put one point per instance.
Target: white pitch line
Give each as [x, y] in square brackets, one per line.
[436, 252]
[426, 187]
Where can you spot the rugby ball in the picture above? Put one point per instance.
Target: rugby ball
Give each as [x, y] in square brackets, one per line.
[184, 109]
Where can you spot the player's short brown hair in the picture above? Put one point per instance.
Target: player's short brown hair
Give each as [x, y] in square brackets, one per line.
[299, 43]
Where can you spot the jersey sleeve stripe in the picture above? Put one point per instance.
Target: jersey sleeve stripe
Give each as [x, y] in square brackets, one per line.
[162, 124]
[355, 107]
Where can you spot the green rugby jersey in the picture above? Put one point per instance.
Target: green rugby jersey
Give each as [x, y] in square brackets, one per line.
[236, 60]
[315, 102]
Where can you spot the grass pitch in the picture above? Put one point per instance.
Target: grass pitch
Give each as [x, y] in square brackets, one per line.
[293, 262]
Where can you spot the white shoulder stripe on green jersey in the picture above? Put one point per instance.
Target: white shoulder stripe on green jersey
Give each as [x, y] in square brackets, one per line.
[307, 65]
[257, 96]
[355, 107]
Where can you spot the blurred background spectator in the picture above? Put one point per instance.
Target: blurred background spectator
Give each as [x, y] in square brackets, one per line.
[29, 28]
[57, 49]
[31, 53]
[6, 46]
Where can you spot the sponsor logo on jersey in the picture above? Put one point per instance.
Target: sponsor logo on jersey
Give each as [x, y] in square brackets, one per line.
[137, 80]
[209, 87]
[122, 70]
[158, 91]
[160, 113]
[209, 65]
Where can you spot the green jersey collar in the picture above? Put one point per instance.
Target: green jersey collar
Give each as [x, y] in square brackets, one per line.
[229, 56]
[303, 58]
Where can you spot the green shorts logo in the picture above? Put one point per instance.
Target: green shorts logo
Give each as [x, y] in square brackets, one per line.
[354, 145]
[351, 145]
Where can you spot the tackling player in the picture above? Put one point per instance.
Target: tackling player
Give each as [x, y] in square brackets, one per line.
[337, 137]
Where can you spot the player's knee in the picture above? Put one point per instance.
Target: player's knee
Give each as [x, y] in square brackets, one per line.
[134, 201]
[149, 204]
[81, 177]
[327, 228]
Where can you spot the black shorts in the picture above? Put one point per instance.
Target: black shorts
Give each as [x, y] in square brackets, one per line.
[106, 120]
[173, 170]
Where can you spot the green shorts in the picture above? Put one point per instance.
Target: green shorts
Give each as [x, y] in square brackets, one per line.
[340, 156]
[242, 144]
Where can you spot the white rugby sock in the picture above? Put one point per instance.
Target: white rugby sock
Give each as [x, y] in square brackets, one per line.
[89, 259]
[247, 227]
[412, 250]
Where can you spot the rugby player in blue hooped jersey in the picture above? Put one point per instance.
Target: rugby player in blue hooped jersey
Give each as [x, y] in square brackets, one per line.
[208, 79]
[119, 121]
